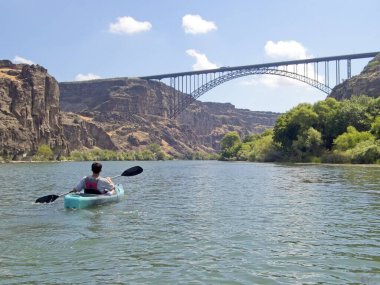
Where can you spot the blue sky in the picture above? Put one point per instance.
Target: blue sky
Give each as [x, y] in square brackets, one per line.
[83, 39]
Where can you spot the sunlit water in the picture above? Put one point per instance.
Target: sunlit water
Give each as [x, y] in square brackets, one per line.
[194, 222]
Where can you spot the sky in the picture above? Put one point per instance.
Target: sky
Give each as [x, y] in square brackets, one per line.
[90, 39]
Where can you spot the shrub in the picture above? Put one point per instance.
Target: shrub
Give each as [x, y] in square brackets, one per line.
[365, 152]
[336, 157]
[375, 127]
[44, 153]
[351, 138]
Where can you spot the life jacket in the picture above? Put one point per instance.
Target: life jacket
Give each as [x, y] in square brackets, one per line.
[91, 186]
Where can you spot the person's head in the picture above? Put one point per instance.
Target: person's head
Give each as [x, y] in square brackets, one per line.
[96, 167]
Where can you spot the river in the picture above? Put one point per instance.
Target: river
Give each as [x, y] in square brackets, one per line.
[194, 222]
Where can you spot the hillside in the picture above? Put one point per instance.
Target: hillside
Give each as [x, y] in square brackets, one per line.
[131, 113]
[366, 83]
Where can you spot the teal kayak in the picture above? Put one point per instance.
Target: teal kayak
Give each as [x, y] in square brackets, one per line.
[80, 201]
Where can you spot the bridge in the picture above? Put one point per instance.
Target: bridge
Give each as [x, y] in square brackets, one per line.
[317, 72]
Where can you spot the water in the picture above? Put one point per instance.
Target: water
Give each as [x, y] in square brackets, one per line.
[194, 222]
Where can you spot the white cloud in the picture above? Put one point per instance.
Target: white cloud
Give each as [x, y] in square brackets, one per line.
[19, 59]
[84, 77]
[285, 50]
[128, 25]
[194, 24]
[202, 61]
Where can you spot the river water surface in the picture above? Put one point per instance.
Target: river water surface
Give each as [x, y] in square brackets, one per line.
[194, 222]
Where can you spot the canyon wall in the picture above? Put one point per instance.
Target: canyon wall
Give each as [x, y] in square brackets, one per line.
[134, 113]
[29, 111]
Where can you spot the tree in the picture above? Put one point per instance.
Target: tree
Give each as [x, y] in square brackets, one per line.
[44, 152]
[365, 152]
[353, 112]
[293, 123]
[327, 124]
[230, 145]
[351, 138]
[309, 143]
[264, 149]
[375, 127]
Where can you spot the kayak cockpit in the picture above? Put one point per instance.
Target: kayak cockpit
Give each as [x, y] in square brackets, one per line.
[82, 200]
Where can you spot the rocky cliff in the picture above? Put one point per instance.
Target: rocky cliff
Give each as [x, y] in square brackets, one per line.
[133, 113]
[29, 111]
[114, 114]
[366, 83]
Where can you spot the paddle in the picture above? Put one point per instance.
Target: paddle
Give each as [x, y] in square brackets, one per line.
[135, 170]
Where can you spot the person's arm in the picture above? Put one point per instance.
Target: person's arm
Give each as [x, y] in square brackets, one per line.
[80, 185]
[110, 182]
[105, 183]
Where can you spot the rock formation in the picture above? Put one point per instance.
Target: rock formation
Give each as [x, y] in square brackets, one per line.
[366, 83]
[29, 111]
[114, 114]
[133, 113]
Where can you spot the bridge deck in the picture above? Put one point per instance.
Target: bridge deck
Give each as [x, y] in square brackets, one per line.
[264, 65]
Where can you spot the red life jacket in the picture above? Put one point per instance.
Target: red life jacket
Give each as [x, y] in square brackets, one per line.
[91, 185]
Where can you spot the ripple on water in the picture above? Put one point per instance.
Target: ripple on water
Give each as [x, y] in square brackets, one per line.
[195, 223]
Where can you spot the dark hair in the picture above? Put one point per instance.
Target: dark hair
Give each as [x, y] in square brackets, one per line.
[96, 167]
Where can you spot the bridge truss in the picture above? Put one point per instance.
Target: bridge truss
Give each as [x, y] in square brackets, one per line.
[186, 87]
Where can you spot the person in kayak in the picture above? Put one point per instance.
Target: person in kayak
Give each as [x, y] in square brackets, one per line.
[95, 184]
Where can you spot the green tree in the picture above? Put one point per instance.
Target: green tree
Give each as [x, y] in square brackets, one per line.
[308, 144]
[373, 109]
[365, 152]
[157, 151]
[327, 124]
[44, 152]
[375, 127]
[264, 149]
[353, 112]
[244, 151]
[230, 145]
[351, 138]
[290, 125]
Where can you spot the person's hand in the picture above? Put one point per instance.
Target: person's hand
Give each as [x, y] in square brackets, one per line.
[109, 179]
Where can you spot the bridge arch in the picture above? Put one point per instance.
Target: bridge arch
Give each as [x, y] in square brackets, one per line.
[225, 77]
[189, 86]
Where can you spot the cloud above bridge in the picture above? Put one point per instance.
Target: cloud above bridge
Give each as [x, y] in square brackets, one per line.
[285, 50]
[128, 25]
[194, 24]
[202, 61]
[88, 76]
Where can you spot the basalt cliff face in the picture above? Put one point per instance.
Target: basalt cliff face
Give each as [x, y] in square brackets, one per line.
[131, 113]
[114, 114]
[29, 111]
[366, 83]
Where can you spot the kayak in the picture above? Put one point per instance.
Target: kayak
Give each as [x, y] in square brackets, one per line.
[81, 200]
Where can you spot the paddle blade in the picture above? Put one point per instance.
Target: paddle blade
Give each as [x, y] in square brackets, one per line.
[47, 199]
[135, 170]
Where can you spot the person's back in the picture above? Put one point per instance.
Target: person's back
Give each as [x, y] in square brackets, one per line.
[94, 184]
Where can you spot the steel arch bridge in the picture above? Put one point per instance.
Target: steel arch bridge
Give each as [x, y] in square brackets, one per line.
[186, 87]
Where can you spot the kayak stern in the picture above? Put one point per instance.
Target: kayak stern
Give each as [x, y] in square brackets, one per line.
[81, 200]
